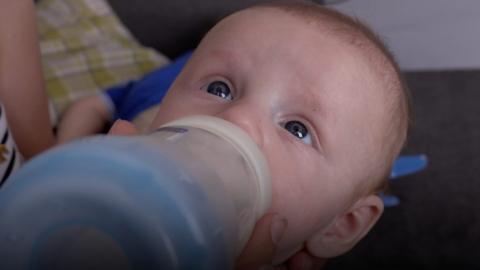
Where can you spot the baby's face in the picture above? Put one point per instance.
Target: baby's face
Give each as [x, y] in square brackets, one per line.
[307, 100]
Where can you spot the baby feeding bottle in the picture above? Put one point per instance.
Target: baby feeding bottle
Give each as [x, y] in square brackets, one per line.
[186, 196]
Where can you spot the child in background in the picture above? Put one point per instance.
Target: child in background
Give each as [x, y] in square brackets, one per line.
[135, 100]
[324, 101]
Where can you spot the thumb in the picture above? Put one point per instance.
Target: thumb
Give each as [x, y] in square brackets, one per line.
[262, 245]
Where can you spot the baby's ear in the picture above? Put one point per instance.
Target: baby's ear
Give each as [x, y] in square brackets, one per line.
[347, 229]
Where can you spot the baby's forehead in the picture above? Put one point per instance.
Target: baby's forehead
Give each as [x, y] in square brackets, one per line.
[348, 58]
[368, 62]
[360, 55]
[330, 24]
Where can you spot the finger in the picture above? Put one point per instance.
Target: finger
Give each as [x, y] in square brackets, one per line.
[122, 127]
[261, 247]
[303, 260]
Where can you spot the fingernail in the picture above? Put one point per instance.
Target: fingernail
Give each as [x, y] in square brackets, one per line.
[266, 267]
[279, 224]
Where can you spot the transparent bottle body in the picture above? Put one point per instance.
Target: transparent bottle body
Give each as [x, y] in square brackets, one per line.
[179, 198]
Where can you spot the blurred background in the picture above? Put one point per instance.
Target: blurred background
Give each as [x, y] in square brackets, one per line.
[424, 35]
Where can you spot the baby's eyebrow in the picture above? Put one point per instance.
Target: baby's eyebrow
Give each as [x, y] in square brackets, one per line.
[230, 58]
[308, 97]
[311, 102]
[224, 55]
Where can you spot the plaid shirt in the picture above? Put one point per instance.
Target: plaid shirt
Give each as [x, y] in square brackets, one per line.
[86, 49]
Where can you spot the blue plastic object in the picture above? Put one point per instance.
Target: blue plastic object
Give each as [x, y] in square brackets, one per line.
[404, 165]
[55, 213]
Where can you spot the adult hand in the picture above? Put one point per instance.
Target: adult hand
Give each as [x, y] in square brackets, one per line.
[303, 260]
[261, 248]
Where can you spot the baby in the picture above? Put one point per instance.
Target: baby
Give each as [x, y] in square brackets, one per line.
[324, 101]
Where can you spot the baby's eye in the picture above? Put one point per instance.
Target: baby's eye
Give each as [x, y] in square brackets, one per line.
[298, 130]
[220, 89]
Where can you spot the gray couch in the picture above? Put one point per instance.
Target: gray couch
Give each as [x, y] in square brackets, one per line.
[437, 224]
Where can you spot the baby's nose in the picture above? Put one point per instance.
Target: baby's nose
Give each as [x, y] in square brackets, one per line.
[247, 119]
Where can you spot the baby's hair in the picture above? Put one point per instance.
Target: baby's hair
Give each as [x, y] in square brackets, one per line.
[356, 33]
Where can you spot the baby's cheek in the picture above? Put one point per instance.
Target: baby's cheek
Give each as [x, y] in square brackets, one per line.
[293, 202]
[308, 196]
[299, 228]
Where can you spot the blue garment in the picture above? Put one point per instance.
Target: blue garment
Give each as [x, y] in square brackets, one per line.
[132, 98]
